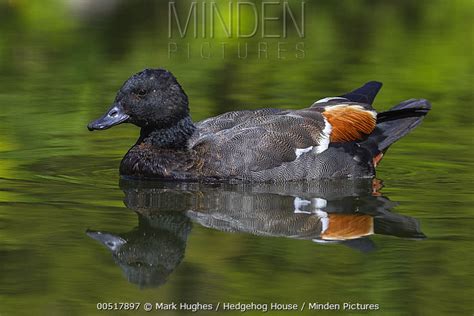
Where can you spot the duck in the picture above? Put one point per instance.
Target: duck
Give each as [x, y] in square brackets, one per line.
[335, 137]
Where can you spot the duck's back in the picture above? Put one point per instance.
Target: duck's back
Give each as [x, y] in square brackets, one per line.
[300, 144]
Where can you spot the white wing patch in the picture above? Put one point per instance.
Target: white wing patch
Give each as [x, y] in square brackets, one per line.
[299, 203]
[300, 151]
[324, 218]
[330, 99]
[323, 241]
[325, 137]
[323, 142]
[314, 207]
[319, 203]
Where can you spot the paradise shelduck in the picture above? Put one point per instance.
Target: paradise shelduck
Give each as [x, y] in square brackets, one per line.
[336, 137]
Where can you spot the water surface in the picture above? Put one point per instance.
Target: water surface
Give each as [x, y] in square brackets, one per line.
[409, 249]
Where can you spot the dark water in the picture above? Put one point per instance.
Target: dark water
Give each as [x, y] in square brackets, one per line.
[407, 247]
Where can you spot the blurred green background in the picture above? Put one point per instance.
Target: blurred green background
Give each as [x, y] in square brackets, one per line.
[61, 63]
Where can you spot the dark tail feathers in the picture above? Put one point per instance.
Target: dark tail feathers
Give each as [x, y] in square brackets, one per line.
[396, 123]
[365, 94]
[393, 224]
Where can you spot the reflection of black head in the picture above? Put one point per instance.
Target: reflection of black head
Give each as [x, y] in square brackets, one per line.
[150, 252]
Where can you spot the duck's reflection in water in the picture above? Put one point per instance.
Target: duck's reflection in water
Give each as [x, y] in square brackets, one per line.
[151, 251]
[324, 212]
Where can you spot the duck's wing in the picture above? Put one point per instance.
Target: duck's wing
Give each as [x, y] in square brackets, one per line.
[231, 119]
[242, 142]
[250, 141]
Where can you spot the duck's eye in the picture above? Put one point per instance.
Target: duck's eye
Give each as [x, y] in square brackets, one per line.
[140, 93]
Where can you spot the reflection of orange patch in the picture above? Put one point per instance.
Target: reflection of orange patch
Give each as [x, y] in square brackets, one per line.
[377, 185]
[349, 122]
[342, 227]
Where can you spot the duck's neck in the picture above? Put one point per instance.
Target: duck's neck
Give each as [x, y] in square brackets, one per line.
[173, 137]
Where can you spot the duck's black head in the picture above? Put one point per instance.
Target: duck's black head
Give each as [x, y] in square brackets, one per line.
[152, 98]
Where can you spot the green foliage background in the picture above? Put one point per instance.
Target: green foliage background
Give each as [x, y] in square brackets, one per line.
[60, 67]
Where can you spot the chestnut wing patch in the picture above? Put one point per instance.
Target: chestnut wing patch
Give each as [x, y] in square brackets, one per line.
[349, 122]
